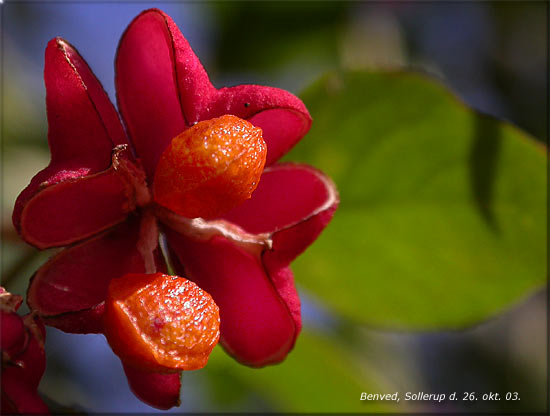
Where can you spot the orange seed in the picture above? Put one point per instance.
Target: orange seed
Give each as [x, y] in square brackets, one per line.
[210, 168]
[160, 323]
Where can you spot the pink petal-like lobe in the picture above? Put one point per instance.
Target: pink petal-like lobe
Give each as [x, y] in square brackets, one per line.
[158, 390]
[257, 326]
[12, 332]
[259, 306]
[146, 83]
[23, 359]
[68, 292]
[293, 203]
[74, 209]
[32, 359]
[163, 88]
[18, 397]
[83, 124]
[283, 117]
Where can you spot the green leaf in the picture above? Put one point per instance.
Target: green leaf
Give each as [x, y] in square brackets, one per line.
[442, 220]
[317, 376]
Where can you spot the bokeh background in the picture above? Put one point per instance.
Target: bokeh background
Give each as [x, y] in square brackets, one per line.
[491, 54]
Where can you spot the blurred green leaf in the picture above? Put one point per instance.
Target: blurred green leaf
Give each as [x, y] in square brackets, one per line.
[443, 210]
[317, 376]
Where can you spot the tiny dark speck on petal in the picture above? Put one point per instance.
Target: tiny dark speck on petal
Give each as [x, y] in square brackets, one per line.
[247, 104]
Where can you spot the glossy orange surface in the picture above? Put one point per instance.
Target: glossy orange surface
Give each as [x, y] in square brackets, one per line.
[161, 323]
[210, 168]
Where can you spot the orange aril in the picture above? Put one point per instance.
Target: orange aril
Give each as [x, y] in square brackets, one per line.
[160, 323]
[210, 168]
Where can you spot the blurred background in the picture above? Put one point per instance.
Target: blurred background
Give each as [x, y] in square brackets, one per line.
[491, 54]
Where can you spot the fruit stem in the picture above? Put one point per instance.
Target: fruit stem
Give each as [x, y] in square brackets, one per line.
[148, 240]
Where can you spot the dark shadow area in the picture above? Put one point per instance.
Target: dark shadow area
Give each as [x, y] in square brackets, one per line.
[484, 155]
